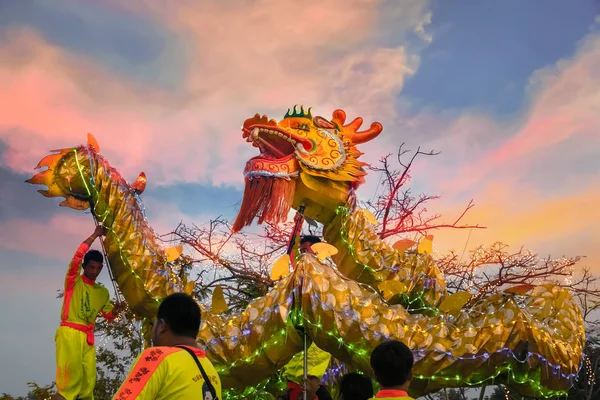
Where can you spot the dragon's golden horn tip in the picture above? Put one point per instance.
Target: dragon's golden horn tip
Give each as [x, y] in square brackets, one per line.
[93, 143]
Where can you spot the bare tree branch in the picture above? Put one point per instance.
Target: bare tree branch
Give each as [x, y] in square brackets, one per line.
[401, 212]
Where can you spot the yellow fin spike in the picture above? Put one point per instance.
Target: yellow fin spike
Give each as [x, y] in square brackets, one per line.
[173, 253]
[189, 288]
[281, 267]
[219, 304]
[426, 245]
[370, 217]
[324, 250]
[454, 303]
[390, 288]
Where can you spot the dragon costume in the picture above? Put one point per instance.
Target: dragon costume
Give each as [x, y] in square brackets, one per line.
[532, 342]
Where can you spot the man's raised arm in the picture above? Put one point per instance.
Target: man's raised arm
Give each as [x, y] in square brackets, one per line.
[75, 265]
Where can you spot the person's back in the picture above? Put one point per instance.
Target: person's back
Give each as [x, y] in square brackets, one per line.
[168, 370]
[169, 373]
[392, 363]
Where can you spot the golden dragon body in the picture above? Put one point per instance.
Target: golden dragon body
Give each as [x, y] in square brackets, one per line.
[532, 342]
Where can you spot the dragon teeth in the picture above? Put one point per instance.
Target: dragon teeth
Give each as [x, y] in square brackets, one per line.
[256, 131]
[301, 149]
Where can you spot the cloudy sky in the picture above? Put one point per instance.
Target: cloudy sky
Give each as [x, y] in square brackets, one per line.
[509, 91]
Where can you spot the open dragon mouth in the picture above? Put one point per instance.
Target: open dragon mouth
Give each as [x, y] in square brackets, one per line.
[273, 142]
[270, 176]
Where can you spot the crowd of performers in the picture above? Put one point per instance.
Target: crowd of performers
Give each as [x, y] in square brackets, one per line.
[175, 367]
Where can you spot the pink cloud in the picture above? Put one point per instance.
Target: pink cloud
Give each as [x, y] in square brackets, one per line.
[258, 57]
[521, 216]
[48, 105]
[565, 100]
[243, 58]
[509, 179]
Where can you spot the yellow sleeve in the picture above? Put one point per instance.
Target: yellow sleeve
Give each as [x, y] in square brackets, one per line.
[146, 378]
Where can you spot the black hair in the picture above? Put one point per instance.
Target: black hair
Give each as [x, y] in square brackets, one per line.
[310, 239]
[392, 363]
[92, 255]
[181, 313]
[355, 386]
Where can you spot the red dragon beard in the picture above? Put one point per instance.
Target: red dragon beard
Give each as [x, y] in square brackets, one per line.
[267, 198]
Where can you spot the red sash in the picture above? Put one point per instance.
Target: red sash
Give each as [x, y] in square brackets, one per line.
[87, 329]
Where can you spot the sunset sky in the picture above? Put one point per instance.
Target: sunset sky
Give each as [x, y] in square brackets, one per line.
[508, 91]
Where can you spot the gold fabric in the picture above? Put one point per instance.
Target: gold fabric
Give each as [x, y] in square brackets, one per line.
[348, 320]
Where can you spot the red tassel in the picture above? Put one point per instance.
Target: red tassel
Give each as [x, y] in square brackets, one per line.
[268, 198]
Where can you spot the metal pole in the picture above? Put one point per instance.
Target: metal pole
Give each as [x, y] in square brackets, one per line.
[299, 221]
[305, 365]
[295, 231]
[482, 393]
[110, 273]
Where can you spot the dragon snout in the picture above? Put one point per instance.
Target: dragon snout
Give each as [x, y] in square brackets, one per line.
[256, 120]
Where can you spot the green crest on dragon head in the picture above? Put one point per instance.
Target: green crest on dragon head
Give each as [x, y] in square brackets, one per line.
[304, 161]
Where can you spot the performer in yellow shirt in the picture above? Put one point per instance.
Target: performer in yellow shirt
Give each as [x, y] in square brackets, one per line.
[392, 363]
[83, 300]
[175, 368]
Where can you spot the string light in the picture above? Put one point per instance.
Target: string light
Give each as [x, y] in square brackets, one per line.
[408, 300]
[135, 212]
[300, 319]
[417, 299]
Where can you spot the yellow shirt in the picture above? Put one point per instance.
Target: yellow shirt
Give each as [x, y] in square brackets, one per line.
[169, 373]
[84, 299]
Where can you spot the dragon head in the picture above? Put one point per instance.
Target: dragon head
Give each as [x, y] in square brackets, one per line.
[305, 162]
[67, 175]
[71, 171]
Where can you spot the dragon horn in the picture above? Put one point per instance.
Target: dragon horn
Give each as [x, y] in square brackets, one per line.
[351, 130]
